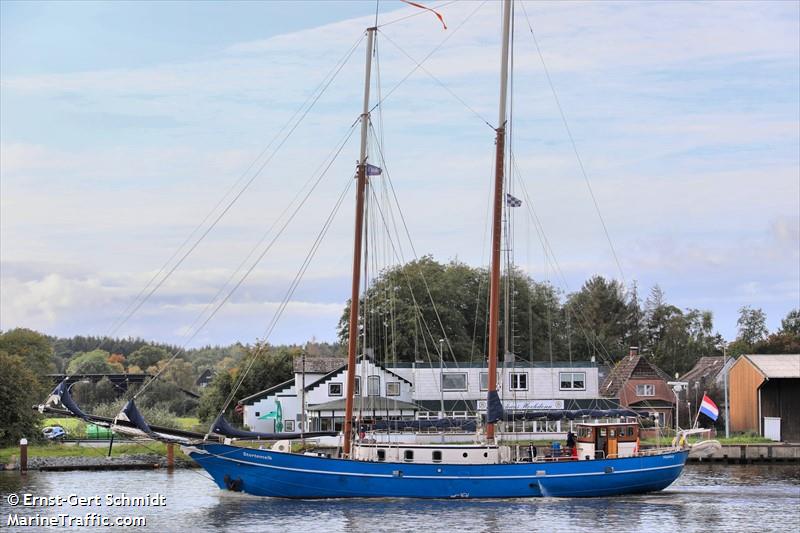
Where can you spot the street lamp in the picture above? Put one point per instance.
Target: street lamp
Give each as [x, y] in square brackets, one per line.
[677, 387]
[725, 381]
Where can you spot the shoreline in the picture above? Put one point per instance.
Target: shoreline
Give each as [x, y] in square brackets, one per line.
[738, 454]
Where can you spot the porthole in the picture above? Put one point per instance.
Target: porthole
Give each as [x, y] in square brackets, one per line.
[465, 454]
[486, 454]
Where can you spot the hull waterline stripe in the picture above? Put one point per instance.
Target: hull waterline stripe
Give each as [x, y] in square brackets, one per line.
[410, 476]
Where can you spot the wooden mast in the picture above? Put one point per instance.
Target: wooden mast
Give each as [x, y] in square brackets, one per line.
[500, 140]
[361, 186]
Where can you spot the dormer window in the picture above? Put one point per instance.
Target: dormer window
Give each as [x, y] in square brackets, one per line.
[645, 389]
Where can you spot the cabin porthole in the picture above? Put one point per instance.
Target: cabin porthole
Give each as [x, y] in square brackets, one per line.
[486, 454]
[465, 455]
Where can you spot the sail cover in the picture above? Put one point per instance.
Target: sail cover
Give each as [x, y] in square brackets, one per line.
[60, 395]
[222, 427]
[570, 414]
[442, 423]
[131, 414]
[494, 408]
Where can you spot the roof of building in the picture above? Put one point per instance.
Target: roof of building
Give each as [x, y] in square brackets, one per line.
[625, 369]
[517, 363]
[319, 365]
[370, 403]
[267, 392]
[776, 366]
[706, 369]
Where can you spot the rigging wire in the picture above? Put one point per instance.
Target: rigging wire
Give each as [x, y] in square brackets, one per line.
[435, 49]
[256, 262]
[440, 82]
[574, 146]
[416, 13]
[293, 286]
[303, 110]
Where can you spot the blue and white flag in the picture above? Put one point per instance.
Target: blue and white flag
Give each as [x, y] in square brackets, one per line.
[709, 408]
[512, 201]
[372, 170]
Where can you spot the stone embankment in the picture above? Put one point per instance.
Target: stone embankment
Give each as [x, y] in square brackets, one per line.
[753, 453]
[120, 462]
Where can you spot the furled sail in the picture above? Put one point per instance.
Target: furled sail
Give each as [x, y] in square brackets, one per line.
[570, 414]
[494, 408]
[222, 427]
[60, 395]
[462, 424]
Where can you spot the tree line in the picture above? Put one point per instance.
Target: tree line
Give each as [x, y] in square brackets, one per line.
[407, 309]
[399, 323]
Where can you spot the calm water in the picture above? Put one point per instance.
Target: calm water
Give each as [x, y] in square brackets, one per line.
[706, 497]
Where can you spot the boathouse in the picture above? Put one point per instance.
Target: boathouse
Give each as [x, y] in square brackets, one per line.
[765, 396]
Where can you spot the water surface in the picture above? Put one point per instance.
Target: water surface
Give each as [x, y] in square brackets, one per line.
[705, 498]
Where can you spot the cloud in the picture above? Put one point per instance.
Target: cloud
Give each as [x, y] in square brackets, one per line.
[684, 114]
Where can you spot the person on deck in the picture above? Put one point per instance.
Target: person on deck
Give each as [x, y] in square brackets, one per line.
[571, 445]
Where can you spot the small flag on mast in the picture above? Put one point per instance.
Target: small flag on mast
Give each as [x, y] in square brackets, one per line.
[709, 408]
[438, 15]
[372, 170]
[511, 201]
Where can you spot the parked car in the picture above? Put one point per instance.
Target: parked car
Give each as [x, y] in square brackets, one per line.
[54, 433]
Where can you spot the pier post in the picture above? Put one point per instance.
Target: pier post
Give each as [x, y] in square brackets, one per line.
[23, 455]
[170, 456]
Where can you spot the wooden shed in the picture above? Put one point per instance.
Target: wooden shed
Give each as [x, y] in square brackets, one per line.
[765, 396]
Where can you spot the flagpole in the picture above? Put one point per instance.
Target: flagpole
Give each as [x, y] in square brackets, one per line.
[698, 411]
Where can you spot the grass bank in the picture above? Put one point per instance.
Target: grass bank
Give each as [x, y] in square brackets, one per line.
[76, 450]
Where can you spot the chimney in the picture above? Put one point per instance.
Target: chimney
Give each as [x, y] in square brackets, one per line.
[634, 351]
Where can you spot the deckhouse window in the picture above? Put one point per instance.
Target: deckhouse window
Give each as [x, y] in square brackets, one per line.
[454, 382]
[334, 389]
[381, 454]
[393, 388]
[519, 381]
[357, 387]
[437, 456]
[645, 389]
[408, 455]
[288, 426]
[484, 380]
[572, 380]
[374, 386]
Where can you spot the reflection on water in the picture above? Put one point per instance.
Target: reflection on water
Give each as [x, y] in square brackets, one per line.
[706, 497]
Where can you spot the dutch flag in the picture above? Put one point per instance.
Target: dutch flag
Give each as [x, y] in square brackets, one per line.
[709, 408]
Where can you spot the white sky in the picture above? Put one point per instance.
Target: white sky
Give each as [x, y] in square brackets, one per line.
[122, 124]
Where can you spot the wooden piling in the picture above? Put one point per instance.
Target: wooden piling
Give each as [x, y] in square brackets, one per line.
[23, 455]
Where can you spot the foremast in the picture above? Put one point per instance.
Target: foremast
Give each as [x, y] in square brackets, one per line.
[361, 187]
[499, 170]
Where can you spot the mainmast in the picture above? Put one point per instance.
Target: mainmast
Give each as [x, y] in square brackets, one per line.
[494, 288]
[361, 186]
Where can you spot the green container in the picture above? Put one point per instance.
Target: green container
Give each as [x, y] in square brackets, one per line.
[94, 431]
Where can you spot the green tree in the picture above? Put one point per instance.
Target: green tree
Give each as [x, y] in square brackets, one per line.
[18, 392]
[147, 356]
[32, 347]
[752, 324]
[786, 339]
[791, 324]
[407, 309]
[600, 316]
[94, 362]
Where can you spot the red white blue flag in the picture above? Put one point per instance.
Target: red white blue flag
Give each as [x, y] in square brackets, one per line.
[709, 408]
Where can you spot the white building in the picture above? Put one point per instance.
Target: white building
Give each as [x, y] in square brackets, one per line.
[421, 391]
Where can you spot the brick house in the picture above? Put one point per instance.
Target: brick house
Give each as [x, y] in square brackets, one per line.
[640, 385]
